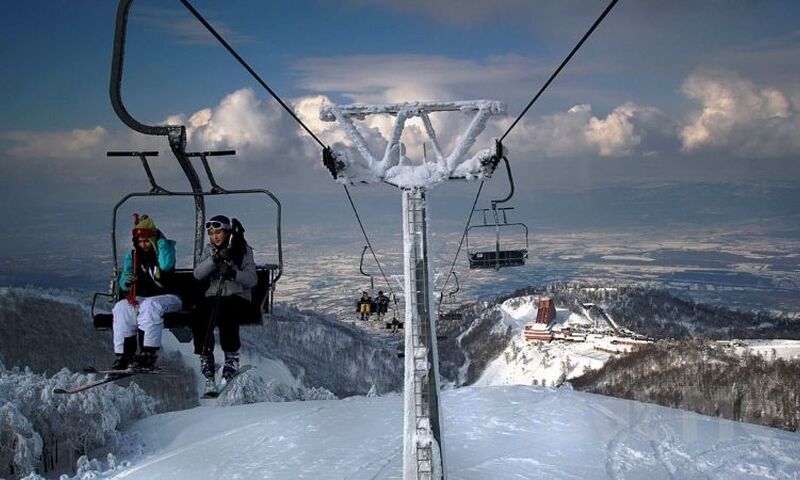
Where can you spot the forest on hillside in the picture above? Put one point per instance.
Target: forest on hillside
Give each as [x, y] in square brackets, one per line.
[705, 377]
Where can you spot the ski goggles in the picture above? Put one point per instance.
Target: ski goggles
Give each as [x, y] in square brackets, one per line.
[217, 224]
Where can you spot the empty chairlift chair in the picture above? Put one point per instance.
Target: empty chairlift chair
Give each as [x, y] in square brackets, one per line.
[511, 239]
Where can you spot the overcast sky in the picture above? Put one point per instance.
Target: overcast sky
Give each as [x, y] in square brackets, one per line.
[700, 91]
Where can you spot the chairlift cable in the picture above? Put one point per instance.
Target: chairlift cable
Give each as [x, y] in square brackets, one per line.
[563, 64]
[248, 68]
[369, 244]
[458, 251]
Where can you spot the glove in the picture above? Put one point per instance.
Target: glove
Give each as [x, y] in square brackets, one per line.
[226, 271]
[130, 279]
[220, 256]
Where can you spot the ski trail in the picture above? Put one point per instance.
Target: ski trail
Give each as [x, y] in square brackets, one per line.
[185, 449]
[397, 451]
[195, 445]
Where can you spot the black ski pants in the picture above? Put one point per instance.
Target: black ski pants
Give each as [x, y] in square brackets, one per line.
[223, 313]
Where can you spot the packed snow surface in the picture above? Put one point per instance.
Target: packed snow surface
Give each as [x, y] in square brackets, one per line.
[490, 433]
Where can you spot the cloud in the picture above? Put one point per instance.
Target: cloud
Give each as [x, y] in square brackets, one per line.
[737, 116]
[76, 143]
[268, 143]
[185, 28]
[627, 130]
[396, 78]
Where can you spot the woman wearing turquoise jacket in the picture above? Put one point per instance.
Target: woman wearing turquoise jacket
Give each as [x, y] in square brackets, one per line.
[145, 278]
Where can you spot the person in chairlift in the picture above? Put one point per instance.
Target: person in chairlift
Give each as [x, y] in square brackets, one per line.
[145, 278]
[365, 306]
[227, 264]
[382, 302]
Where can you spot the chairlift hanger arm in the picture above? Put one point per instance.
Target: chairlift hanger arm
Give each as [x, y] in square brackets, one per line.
[361, 263]
[176, 134]
[510, 183]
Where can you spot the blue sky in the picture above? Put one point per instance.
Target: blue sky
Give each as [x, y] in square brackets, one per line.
[663, 91]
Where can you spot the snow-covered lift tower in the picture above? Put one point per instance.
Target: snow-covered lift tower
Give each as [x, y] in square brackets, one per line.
[423, 457]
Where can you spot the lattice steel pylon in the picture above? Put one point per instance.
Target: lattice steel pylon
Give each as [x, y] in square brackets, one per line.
[423, 450]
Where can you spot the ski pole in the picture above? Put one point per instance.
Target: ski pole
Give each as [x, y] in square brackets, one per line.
[132, 293]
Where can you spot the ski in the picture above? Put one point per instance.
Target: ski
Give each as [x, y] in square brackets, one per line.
[110, 376]
[96, 383]
[121, 372]
[222, 389]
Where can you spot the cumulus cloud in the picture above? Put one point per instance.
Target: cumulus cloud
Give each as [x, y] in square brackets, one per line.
[267, 140]
[78, 143]
[628, 129]
[738, 116]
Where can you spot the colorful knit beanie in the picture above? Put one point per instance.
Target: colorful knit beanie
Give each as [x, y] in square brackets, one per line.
[146, 228]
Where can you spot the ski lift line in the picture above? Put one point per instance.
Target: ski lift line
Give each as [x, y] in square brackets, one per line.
[563, 64]
[247, 67]
[461, 243]
[369, 244]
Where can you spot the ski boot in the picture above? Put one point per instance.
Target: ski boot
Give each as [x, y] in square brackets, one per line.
[211, 388]
[123, 362]
[207, 365]
[146, 361]
[231, 366]
[125, 359]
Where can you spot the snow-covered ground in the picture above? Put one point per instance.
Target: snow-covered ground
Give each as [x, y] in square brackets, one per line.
[489, 433]
[786, 349]
[524, 363]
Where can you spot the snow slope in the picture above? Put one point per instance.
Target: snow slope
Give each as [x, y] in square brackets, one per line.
[489, 433]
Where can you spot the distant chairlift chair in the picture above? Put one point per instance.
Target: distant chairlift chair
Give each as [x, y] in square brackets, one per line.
[450, 315]
[500, 256]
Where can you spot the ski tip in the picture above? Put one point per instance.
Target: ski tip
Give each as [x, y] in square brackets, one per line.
[59, 391]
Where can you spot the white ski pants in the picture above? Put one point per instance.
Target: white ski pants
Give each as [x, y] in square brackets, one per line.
[147, 316]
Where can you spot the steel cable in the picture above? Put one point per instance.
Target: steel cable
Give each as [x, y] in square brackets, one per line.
[563, 64]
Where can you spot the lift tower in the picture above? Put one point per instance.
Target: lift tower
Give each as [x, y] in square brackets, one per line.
[423, 457]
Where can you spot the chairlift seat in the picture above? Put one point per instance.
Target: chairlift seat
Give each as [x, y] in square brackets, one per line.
[496, 259]
[371, 308]
[390, 325]
[451, 316]
[191, 293]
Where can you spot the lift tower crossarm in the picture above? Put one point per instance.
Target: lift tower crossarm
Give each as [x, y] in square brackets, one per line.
[391, 166]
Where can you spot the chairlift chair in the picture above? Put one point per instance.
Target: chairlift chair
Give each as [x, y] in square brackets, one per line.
[187, 287]
[500, 256]
[373, 307]
[184, 284]
[450, 315]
